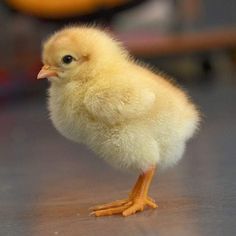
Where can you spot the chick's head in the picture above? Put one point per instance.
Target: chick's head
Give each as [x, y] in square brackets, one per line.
[80, 53]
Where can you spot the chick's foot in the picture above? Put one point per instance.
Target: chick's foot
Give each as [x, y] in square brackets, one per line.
[137, 200]
[125, 207]
[113, 208]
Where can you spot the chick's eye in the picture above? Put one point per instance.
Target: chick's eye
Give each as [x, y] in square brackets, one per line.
[67, 59]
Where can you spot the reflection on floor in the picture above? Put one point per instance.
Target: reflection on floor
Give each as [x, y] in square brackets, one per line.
[48, 183]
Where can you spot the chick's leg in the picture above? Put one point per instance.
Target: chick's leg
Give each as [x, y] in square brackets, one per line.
[141, 198]
[137, 200]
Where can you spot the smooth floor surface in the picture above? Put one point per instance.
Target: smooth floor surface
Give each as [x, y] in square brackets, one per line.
[48, 183]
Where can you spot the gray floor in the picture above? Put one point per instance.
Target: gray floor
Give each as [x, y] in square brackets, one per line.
[48, 183]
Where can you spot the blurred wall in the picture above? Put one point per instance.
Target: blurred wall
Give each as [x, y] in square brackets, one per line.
[21, 36]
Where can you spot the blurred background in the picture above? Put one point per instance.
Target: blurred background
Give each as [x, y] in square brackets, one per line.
[194, 41]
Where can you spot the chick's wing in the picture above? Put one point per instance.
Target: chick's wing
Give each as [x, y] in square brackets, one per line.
[117, 103]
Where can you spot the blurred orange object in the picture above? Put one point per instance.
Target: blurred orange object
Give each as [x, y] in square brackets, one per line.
[62, 8]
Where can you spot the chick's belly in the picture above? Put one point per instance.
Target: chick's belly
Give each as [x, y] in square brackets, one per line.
[129, 147]
[133, 146]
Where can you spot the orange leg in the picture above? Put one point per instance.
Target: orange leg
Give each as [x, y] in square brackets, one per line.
[136, 201]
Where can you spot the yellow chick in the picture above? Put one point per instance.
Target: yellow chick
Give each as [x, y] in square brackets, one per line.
[127, 114]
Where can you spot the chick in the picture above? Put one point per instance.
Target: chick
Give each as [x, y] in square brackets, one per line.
[128, 115]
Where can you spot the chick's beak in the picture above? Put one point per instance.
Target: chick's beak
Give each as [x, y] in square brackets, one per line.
[46, 72]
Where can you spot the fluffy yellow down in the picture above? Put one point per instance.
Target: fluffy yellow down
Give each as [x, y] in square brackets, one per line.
[128, 115]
